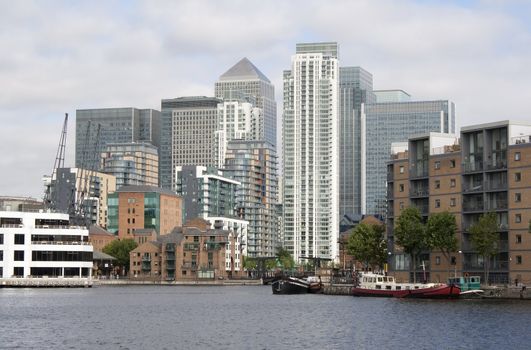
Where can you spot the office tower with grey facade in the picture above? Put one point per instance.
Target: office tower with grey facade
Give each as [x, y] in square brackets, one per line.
[187, 135]
[254, 165]
[245, 78]
[116, 125]
[311, 152]
[355, 88]
[389, 122]
[132, 163]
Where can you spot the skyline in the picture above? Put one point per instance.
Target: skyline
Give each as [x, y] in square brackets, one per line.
[62, 57]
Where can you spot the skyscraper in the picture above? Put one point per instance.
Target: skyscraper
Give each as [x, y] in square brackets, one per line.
[254, 165]
[355, 88]
[187, 135]
[311, 152]
[117, 125]
[245, 78]
[388, 122]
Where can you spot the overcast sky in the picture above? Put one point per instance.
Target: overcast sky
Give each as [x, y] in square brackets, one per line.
[56, 57]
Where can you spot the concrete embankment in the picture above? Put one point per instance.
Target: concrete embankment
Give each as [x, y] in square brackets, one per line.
[127, 282]
[337, 289]
[510, 292]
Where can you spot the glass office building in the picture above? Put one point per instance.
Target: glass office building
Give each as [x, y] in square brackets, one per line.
[389, 122]
[355, 88]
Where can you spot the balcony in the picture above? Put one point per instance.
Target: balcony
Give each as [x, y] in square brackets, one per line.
[470, 167]
[419, 192]
[146, 266]
[170, 266]
[212, 246]
[189, 266]
[473, 188]
[496, 266]
[423, 208]
[170, 256]
[497, 205]
[191, 246]
[496, 186]
[473, 205]
[501, 165]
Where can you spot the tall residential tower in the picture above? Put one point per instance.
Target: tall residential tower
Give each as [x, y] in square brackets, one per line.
[311, 152]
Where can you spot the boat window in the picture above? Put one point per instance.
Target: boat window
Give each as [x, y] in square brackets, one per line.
[378, 286]
[387, 287]
[379, 279]
[398, 287]
[416, 287]
[391, 279]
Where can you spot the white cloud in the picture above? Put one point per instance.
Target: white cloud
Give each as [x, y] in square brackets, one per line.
[57, 57]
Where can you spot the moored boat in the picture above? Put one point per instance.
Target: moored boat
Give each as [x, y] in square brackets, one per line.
[293, 285]
[376, 285]
[470, 286]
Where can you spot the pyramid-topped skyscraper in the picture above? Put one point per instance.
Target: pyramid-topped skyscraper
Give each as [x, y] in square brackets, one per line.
[244, 79]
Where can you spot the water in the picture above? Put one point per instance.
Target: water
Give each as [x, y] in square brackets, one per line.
[250, 317]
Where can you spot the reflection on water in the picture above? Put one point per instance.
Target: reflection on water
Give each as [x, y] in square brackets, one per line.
[250, 317]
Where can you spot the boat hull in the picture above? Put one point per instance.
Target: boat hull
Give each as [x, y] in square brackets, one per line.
[437, 292]
[289, 286]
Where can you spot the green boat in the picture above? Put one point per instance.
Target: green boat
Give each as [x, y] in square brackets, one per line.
[469, 285]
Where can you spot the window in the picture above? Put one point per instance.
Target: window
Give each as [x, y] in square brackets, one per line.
[401, 205]
[1, 238]
[401, 188]
[517, 197]
[437, 165]
[518, 218]
[453, 260]
[437, 260]
[437, 203]
[437, 184]
[401, 169]
[452, 163]
[19, 255]
[19, 239]
[1, 255]
[517, 156]
[452, 202]
[519, 259]
[18, 271]
[131, 200]
[452, 182]
[517, 177]
[518, 239]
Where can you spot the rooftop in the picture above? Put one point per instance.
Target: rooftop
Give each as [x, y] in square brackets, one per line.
[243, 70]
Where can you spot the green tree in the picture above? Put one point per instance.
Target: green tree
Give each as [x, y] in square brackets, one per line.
[285, 259]
[120, 250]
[367, 244]
[249, 263]
[441, 230]
[410, 233]
[484, 236]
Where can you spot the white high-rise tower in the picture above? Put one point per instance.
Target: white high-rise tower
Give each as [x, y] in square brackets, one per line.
[311, 152]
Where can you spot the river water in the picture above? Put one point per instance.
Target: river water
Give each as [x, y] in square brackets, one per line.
[251, 317]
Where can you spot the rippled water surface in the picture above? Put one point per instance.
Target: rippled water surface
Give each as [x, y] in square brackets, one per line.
[250, 317]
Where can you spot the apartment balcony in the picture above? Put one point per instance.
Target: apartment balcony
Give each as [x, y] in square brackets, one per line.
[497, 266]
[473, 206]
[146, 259]
[212, 246]
[419, 192]
[418, 173]
[170, 266]
[170, 256]
[496, 205]
[191, 246]
[496, 186]
[473, 188]
[470, 167]
[424, 208]
[501, 165]
[146, 266]
[189, 266]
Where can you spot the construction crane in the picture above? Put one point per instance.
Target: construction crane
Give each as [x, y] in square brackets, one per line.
[50, 199]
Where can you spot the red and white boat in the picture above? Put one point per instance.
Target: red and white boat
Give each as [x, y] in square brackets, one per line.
[375, 285]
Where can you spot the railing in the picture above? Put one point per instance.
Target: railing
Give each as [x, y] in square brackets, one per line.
[212, 246]
[423, 208]
[61, 243]
[473, 166]
[473, 188]
[473, 206]
[520, 139]
[60, 227]
[497, 165]
[414, 173]
[191, 246]
[146, 259]
[496, 186]
[189, 265]
[499, 265]
[12, 226]
[497, 205]
[421, 192]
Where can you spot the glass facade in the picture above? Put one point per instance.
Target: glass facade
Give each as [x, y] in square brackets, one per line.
[355, 88]
[385, 123]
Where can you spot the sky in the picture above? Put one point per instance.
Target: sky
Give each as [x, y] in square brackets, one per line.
[59, 56]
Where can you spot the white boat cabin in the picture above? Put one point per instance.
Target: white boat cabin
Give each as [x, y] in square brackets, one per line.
[382, 282]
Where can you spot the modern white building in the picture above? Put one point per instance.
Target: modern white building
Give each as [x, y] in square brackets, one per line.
[238, 119]
[36, 246]
[311, 152]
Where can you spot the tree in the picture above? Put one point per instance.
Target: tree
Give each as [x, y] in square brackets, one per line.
[120, 250]
[441, 230]
[367, 244]
[410, 233]
[284, 258]
[249, 263]
[484, 236]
